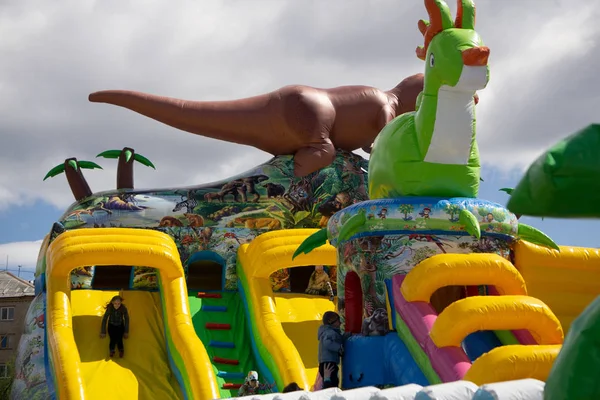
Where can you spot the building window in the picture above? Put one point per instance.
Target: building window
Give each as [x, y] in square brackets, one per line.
[7, 313]
[3, 371]
[4, 342]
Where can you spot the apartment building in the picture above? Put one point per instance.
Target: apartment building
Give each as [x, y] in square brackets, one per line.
[15, 296]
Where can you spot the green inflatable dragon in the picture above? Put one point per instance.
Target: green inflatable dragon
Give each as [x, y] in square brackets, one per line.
[432, 151]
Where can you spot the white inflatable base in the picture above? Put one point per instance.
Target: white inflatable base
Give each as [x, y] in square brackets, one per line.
[406, 392]
[459, 390]
[523, 389]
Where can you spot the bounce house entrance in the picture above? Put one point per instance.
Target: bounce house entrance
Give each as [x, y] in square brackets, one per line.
[353, 302]
[447, 295]
[112, 277]
[300, 277]
[205, 272]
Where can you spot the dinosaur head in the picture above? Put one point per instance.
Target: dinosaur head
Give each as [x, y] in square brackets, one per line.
[454, 54]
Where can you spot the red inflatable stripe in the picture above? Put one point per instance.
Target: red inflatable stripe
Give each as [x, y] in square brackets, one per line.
[220, 360]
[232, 385]
[202, 295]
[212, 325]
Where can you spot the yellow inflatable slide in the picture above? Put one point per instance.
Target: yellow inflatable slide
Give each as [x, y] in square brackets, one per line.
[164, 357]
[285, 325]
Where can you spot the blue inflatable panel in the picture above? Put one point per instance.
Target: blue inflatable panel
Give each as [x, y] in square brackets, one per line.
[231, 375]
[213, 308]
[401, 368]
[225, 345]
[379, 360]
[479, 343]
[40, 284]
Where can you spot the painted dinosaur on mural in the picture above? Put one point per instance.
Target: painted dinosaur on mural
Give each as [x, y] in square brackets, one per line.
[433, 151]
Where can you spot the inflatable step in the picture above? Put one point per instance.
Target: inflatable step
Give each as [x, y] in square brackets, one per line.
[215, 326]
[208, 308]
[222, 345]
[231, 385]
[228, 361]
[231, 375]
[203, 295]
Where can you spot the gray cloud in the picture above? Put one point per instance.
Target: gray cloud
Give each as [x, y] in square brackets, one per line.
[544, 85]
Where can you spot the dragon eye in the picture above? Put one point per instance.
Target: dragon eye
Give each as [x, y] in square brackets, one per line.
[431, 60]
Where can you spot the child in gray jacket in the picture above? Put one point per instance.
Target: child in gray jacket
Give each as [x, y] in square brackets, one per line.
[331, 348]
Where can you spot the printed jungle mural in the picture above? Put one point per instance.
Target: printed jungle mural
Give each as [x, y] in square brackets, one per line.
[378, 258]
[30, 379]
[221, 216]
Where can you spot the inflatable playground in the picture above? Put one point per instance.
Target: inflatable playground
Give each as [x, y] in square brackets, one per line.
[443, 295]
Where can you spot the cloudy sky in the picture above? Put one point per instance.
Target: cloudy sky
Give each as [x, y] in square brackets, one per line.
[544, 86]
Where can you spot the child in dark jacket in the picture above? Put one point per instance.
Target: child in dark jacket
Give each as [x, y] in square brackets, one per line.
[117, 319]
[331, 347]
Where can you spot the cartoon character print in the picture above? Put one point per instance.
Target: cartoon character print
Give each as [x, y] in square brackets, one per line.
[382, 214]
[489, 218]
[425, 213]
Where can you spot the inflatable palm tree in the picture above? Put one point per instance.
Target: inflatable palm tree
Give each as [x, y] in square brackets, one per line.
[126, 157]
[72, 169]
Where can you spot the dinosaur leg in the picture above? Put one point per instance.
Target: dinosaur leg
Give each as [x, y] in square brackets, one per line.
[314, 157]
[310, 116]
[384, 117]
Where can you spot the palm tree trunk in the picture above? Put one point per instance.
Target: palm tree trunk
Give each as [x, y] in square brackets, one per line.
[77, 183]
[125, 169]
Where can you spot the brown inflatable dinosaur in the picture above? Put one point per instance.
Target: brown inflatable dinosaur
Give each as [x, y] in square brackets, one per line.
[307, 122]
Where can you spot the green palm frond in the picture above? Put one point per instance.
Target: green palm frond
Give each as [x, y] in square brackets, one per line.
[469, 220]
[143, 160]
[59, 169]
[110, 154]
[350, 227]
[88, 165]
[128, 154]
[312, 242]
[507, 190]
[535, 236]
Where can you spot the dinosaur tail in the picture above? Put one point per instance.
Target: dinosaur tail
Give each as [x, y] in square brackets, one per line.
[247, 121]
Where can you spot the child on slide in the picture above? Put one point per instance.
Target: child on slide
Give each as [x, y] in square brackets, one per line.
[117, 319]
[252, 386]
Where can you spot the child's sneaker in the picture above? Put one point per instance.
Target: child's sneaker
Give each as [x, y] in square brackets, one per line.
[112, 353]
[121, 353]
